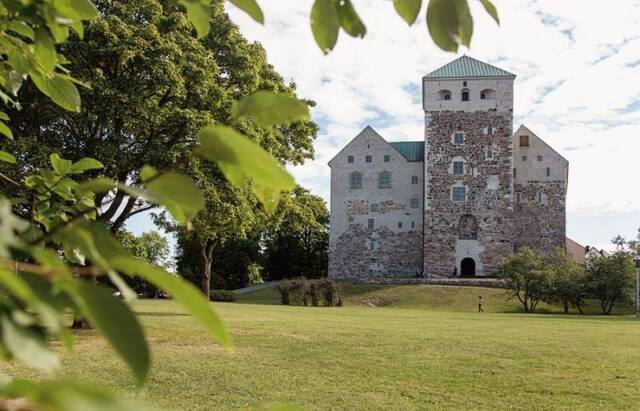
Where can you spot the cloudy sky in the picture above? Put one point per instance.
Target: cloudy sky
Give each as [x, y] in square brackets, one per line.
[578, 87]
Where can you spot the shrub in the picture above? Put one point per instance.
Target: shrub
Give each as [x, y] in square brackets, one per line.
[526, 276]
[611, 279]
[299, 291]
[223, 295]
[567, 283]
[329, 291]
[284, 289]
[254, 272]
[313, 293]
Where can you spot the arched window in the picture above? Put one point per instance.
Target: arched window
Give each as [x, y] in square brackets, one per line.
[355, 180]
[488, 94]
[444, 95]
[468, 227]
[384, 179]
[465, 94]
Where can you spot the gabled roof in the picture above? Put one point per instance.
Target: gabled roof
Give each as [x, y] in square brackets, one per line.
[468, 67]
[410, 150]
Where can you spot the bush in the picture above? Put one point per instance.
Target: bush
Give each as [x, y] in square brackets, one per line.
[254, 273]
[284, 289]
[526, 276]
[300, 290]
[567, 282]
[611, 279]
[223, 295]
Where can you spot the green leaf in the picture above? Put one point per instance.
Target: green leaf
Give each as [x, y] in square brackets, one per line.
[185, 294]
[116, 322]
[85, 164]
[349, 19]
[22, 29]
[60, 165]
[44, 50]
[99, 185]
[408, 9]
[67, 396]
[64, 93]
[269, 108]
[250, 7]
[450, 23]
[7, 158]
[4, 116]
[242, 160]
[6, 131]
[325, 24]
[491, 9]
[198, 13]
[85, 9]
[27, 345]
[178, 194]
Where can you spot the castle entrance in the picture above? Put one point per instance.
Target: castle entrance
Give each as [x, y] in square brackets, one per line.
[467, 267]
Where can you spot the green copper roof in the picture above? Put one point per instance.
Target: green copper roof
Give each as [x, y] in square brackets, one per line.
[466, 66]
[411, 150]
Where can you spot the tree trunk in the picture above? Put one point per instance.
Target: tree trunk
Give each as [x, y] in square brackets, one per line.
[80, 323]
[206, 254]
[579, 306]
[565, 305]
[610, 307]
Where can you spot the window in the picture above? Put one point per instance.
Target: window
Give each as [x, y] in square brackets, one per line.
[444, 94]
[384, 180]
[414, 179]
[413, 224]
[458, 168]
[524, 158]
[518, 198]
[386, 158]
[372, 245]
[355, 180]
[524, 141]
[483, 96]
[489, 153]
[447, 96]
[375, 207]
[464, 84]
[487, 94]
[459, 194]
[368, 159]
[350, 159]
[539, 158]
[548, 172]
[370, 224]
[465, 95]
[399, 224]
[491, 131]
[539, 198]
[415, 203]
[458, 138]
[515, 174]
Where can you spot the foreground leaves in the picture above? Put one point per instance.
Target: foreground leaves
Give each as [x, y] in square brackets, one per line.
[242, 161]
[268, 108]
[450, 23]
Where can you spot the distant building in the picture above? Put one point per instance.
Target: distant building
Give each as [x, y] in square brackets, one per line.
[455, 204]
[576, 251]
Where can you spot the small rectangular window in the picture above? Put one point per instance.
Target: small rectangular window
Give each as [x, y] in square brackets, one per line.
[375, 207]
[524, 141]
[489, 153]
[413, 224]
[539, 198]
[458, 168]
[465, 96]
[370, 224]
[372, 245]
[459, 194]
[414, 179]
[355, 180]
[399, 224]
[539, 158]
[524, 158]
[515, 174]
[518, 198]
[548, 172]
[491, 131]
[384, 180]
[415, 203]
[458, 138]
[368, 159]
[386, 158]
[349, 159]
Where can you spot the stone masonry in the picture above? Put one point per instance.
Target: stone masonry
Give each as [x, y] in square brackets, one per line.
[455, 204]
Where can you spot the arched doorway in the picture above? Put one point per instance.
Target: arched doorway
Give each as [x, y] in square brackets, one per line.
[467, 267]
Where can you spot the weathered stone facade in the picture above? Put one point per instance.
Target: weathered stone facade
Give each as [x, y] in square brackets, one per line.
[456, 204]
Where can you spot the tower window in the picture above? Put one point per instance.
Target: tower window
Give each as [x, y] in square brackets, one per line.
[444, 94]
[524, 158]
[414, 179]
[413, 224]
[368, 159]
[491, 131]
[539, 198]
[518, 198]
[515, 174]
[399, 224]
[524, 141]
[465, 95]
[489, 153]
[483, 96]
[539, 158]
[548, 172]
[459, 194]
[375, 207]
[370, 224]
[355, 180]
[458, 138]
[464, 84]
[386, 158]
[458, 168]
[384, 180]
[350, 159]
[415, 203]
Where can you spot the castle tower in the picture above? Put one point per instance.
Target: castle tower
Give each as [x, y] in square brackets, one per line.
[468, 220]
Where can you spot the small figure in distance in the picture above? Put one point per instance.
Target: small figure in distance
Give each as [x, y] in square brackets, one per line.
[480, 309]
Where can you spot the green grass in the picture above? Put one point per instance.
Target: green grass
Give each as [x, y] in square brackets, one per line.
[428, 350]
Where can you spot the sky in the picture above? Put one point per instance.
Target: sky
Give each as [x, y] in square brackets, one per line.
[578, 88]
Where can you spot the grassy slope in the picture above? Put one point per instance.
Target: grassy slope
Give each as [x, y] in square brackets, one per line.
[362, 358]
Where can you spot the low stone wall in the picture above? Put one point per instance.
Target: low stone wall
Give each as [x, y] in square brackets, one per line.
[455, 282]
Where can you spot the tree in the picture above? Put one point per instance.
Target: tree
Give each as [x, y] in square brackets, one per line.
[567, 282]
[611, 279]
[297, 242]
[151, 247]
[526, 276]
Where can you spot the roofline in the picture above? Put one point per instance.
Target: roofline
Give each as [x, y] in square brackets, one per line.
[541, 139]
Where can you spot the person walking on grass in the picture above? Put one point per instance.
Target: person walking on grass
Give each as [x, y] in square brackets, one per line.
[480, 309]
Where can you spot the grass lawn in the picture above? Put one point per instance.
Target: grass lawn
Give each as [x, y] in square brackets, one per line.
[428, 349]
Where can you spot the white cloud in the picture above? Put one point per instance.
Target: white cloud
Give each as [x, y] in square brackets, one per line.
[577, 67]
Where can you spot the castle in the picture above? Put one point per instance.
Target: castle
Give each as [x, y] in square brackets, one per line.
[456, 204]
